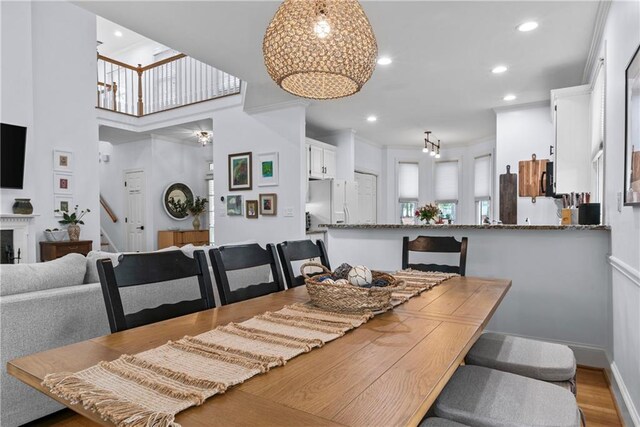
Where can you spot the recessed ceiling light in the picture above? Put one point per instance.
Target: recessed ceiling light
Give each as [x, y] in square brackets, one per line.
[499, 69]
[384, 60]
[509, 97]
[372, 119]
[527, 26]
[117, 33]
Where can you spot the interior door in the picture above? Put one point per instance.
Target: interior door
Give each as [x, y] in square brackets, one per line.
[134, 186]
[316, 162]
[329, 160]
[367, 198]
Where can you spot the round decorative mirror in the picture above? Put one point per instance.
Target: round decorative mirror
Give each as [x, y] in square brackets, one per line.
[175, 195]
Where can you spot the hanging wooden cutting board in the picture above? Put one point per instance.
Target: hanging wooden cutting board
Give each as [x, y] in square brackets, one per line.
[508, 197]
[530, 172]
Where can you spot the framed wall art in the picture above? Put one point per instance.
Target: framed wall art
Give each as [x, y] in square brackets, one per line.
[268, 169]
[62, 204]
[240, 169]
[632, 132]
[252, 209]
[62, 183]
[62, 161]
[268, 204]
[234, 205]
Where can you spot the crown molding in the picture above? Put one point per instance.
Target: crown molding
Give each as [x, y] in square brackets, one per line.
[596, 40]
[525, 106]
[277, 106]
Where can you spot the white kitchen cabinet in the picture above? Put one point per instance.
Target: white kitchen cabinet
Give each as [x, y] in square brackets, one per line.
[321, 159]
[571, 112]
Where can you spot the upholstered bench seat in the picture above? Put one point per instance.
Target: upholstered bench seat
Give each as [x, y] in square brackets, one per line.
[439, 422]
[530, 358]
[483, 397]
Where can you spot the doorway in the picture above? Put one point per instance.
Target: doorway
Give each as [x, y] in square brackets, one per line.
[134, 187]
[367, 198]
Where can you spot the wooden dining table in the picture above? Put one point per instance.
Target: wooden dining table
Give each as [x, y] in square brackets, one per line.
[387, 372]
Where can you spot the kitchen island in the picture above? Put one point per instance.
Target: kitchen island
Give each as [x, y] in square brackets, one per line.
[561, 275]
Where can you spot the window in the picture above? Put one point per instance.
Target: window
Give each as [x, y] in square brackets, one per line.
[483, 211]
[482, 188]
[408, 180]
[212, 203]
[446, 188]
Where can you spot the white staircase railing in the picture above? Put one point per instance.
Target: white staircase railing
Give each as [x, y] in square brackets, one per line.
[173, 82]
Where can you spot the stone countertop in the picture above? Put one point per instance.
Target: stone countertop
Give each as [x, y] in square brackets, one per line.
[464, 227]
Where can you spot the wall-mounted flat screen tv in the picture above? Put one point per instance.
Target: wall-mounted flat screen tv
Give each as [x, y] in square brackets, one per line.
[12, 146]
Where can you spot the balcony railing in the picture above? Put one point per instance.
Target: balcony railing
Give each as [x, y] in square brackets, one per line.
[173, 82]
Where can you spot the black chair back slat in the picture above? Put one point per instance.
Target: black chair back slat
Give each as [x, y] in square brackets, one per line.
[231, 258]
[143, 269]
[435, 244]
[300, 250]
[153, 267]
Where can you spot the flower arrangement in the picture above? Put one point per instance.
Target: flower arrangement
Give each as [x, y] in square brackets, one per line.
[427, 212]
[197, 206]
[74, 218]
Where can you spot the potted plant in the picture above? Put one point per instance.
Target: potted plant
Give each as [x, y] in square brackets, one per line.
[73, 221]
[197, 208]
[194, 207]
[427, 213]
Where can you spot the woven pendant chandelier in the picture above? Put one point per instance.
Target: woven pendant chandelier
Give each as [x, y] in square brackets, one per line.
[320, 49]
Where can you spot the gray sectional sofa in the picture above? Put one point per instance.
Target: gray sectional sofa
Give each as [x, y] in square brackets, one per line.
[56, 303]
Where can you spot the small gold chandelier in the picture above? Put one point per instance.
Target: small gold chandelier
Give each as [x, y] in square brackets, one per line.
[320, 49]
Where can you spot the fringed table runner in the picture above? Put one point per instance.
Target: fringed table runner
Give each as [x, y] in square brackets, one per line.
[151, 387]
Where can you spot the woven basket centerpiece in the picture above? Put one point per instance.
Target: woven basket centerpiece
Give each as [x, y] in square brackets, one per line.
[332, 291]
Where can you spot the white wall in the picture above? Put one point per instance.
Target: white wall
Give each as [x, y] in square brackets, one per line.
[281, 130]
[46, 88]
[620, 40]
[521, 132]
[164, 162]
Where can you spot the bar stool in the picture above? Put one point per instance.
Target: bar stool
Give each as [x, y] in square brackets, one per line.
[483, 397]
[539, 360]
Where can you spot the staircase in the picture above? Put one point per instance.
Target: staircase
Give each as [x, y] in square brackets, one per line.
[105, 243]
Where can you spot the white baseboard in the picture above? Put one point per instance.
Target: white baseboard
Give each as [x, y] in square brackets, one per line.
[631, 410]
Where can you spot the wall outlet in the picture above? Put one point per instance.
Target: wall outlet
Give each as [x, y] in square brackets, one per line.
[288, 212]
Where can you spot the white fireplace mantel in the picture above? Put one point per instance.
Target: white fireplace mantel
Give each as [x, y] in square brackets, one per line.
[23, 235]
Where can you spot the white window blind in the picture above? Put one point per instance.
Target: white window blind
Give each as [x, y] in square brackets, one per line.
[482, 177]
[446, 179]
[408, 181]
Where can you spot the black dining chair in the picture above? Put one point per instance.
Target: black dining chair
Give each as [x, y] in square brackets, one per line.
[299, 250]
[240, 257]
[145, 268]
[435, 244]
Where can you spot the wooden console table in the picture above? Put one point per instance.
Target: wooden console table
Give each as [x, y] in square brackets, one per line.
[54, 250]
[168, 238]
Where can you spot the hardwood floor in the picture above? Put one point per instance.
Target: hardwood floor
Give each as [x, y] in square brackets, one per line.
[594, 397]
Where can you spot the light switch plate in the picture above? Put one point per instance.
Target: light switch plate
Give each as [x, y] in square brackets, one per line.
[619, 201]
[288, 212]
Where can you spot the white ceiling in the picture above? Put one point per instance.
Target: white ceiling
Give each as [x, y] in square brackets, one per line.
[183, 133]
[442, 54]
[131, 47]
